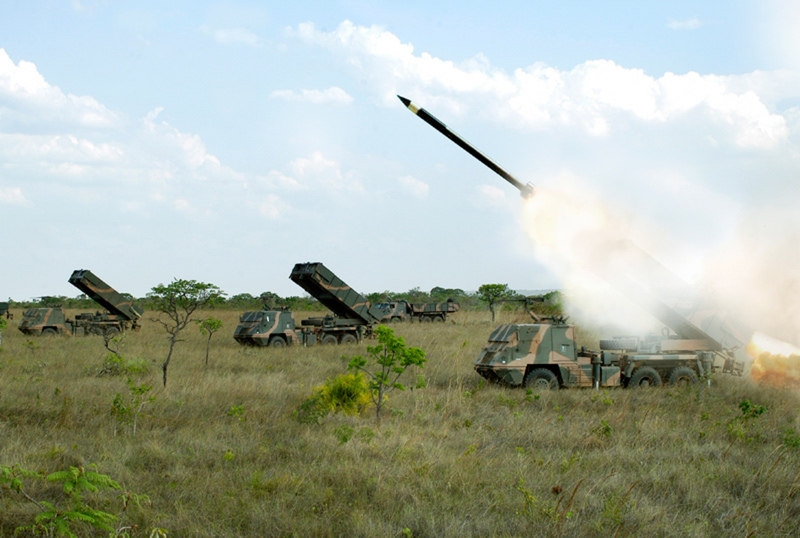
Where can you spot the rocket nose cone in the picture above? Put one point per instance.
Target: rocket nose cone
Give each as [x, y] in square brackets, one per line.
[403, 100]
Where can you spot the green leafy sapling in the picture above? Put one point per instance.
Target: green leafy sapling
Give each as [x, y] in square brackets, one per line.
[208, 327]
[179, 300]
[391, 358]
[127, 408]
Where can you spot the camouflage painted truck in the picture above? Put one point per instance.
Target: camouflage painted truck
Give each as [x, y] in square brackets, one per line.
[392, 311]
[547, 355]
[352, 318]
[4, 310]
[120, 313]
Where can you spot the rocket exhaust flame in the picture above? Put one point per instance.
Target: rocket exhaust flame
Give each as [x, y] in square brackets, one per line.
[774, 362]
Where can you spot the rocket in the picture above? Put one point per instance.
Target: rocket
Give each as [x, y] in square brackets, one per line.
[525, 189]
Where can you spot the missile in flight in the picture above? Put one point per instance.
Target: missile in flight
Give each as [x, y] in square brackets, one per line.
[525, 189]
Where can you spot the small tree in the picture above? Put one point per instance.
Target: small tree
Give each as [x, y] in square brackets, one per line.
[179, 300]
[392, 357]
[208, 327]
[492, 293]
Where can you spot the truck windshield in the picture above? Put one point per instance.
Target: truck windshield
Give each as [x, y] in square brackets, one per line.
[251, 316]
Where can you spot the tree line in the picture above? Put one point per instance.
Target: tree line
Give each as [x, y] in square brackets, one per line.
[493, 295]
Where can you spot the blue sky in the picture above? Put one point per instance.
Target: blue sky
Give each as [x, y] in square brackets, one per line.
[226, 141]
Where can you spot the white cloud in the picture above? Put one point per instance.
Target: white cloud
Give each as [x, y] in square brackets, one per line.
[12, 196]
[233, 36]
[414, 186]
[31, 104]
[594, 96]
[334, 95]
[692, 23]
[75, 148]
[190, 148]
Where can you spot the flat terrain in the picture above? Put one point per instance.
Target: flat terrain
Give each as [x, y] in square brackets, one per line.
[220, 453]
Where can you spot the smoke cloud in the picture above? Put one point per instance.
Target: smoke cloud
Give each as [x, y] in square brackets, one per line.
[613, 264]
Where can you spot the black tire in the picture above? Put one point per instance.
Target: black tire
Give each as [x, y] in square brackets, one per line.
[49, 331]
[348, 339]
[439, 318]
[644, 376]
[620, 344]
[541, 379]
[682, 376]
[328, 340]
[277, 341]
[425, 319]
[112, 331]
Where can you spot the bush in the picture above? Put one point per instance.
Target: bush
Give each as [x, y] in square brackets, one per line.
[345, 393]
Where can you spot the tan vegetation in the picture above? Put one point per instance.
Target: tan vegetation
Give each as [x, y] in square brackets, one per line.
[220, 453]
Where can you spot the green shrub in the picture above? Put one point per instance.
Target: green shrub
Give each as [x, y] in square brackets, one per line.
[344, 393]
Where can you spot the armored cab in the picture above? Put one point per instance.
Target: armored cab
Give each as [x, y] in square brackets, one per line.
[542, 355]
[45, 322]
[392, 311]
[275, 328]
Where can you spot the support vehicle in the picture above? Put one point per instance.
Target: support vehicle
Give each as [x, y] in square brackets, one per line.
[402, 310]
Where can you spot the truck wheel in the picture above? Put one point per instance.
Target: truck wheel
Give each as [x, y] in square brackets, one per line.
[277, 341]
[328, 340]
[439, 318]
[112, 332]
[682, 376]
[644, 376]
[348, 339]
[541, 379]
[425, 319]
[49, 331]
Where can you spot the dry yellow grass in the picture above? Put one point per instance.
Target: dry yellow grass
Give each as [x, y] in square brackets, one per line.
[220, 454]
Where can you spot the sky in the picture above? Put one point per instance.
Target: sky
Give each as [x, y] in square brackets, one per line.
[226, 141]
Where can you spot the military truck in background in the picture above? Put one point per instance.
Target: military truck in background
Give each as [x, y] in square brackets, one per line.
[352, 318]
[120, 313]
[4, 310]
[402, 310]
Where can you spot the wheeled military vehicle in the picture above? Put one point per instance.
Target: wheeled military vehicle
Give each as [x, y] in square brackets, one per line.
[352, 318]
[121, 314]
[402, 310]
[546, 355]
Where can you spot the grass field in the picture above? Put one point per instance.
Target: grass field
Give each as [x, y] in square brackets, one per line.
[219, 452]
